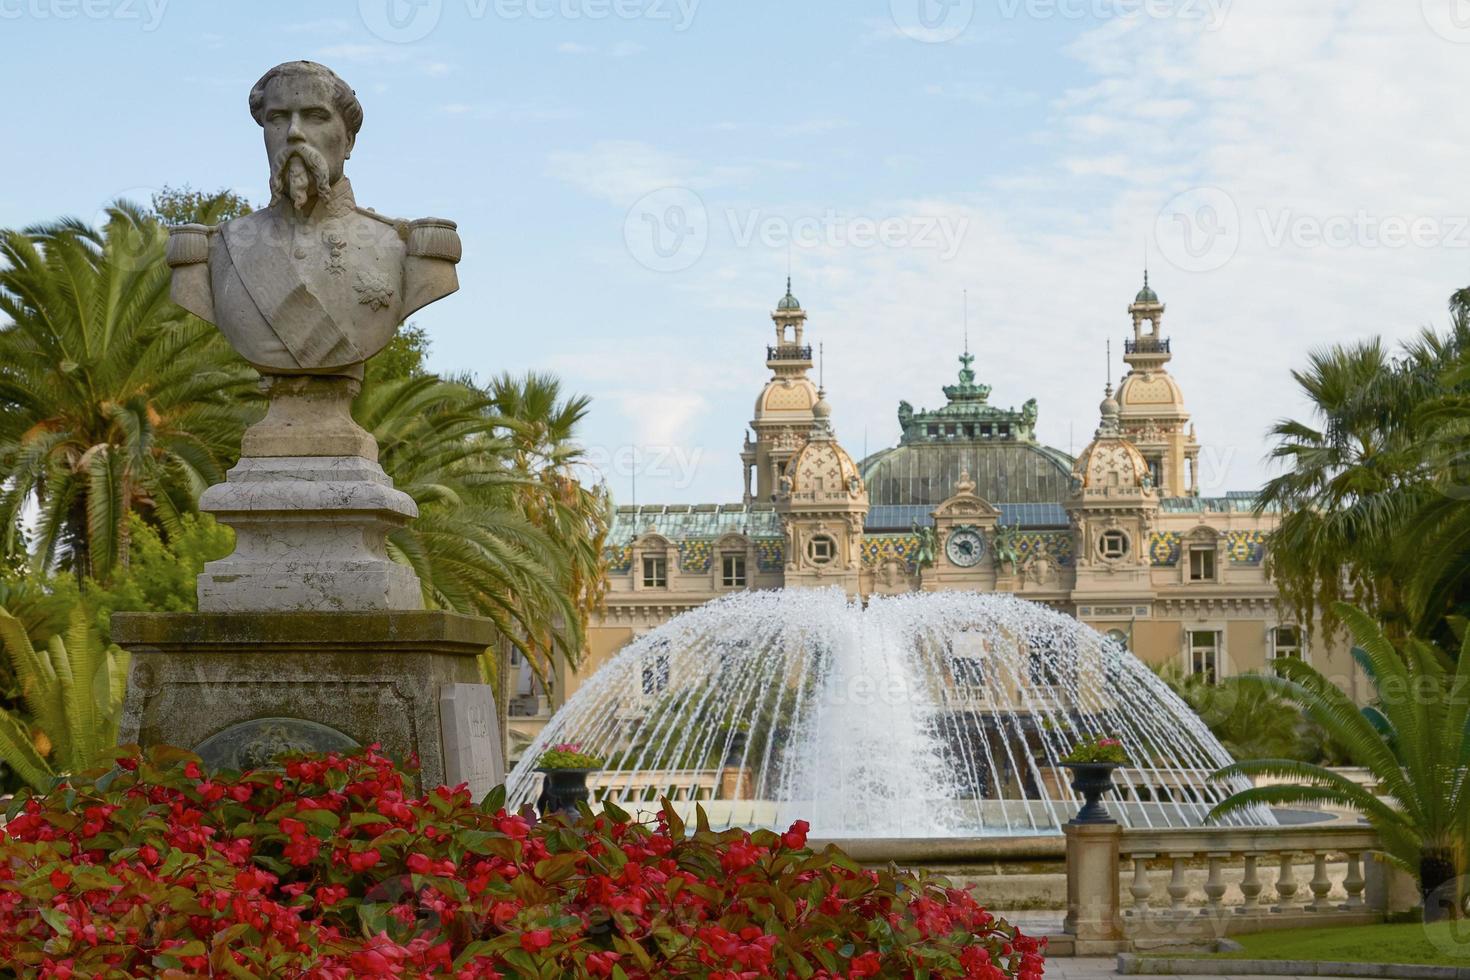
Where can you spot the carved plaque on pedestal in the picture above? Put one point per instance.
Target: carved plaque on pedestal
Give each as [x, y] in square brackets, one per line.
[471, 731]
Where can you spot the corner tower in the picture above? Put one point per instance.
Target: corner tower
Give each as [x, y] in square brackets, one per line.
[823, 504]
[784, 411]
[1151, 411]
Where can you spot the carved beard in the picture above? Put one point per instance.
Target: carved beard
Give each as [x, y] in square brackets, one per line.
[299, 175]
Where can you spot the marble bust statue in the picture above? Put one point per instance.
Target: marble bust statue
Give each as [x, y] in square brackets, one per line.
[312, 284]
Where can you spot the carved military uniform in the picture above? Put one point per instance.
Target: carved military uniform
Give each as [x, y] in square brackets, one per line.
[313, 296]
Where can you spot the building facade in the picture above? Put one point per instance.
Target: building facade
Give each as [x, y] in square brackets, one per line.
[1118, 537]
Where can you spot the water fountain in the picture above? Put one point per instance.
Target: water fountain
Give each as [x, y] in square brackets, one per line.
[928, 715]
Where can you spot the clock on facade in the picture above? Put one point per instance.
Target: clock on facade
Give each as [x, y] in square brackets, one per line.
[965, 547]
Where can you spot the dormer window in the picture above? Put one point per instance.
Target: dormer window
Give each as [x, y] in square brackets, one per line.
[655, 572]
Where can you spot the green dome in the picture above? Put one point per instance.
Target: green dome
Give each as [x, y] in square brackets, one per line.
[1146, 294]
[788, 302]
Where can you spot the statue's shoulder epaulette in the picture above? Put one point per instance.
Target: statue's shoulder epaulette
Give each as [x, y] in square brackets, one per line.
[188, 244]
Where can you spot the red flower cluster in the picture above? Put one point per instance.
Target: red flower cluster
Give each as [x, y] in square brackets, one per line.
[334, 869]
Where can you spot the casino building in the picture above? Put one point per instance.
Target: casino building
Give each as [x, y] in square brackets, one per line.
[1118, 536]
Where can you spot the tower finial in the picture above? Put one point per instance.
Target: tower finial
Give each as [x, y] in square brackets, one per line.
[1108, 387]
[821, 365]
[966, 295]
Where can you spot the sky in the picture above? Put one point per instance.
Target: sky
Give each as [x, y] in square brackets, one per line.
[633, 179]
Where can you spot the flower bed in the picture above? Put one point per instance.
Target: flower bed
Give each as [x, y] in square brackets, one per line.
[333, 869]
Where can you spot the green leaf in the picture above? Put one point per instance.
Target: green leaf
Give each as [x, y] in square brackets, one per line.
[494, 800]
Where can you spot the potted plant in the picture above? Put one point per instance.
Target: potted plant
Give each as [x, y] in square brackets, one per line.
[565, 768]
[1092, 762]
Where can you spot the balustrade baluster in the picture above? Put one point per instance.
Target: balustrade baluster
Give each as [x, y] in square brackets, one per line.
[1285, 882]
[1141, 888]
[1215, 884]
[1320, 883]
[1178, 887]
[1250, 885]
[1354, 883]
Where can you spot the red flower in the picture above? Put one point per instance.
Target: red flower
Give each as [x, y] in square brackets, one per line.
[535, 940]
[795, 838]
[362, 860]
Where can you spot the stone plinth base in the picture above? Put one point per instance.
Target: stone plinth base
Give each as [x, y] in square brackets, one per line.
[1093, 918]
[240, 689]
[310, 534]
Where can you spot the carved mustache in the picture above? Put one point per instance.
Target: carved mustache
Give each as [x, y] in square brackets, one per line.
[299, 172]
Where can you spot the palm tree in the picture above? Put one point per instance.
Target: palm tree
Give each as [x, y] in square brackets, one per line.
[1251, 722]
[112, 400]
[542, 432]
[473, 546]
[72, 690]
[1414, 741]
[1385, 443]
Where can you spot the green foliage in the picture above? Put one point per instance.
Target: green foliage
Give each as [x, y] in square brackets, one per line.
[72, 690]
[184, 205]
[1097, 748]
[160, 574]
[568, 757]
[1250, 721]
[404, 357]
[113, 401]
[1414, 740]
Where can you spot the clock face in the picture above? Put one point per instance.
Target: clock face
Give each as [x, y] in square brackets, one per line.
[965, 547]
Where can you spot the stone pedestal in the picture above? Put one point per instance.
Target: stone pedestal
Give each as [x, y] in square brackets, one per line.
[240, 689]
[311, 510]
[1092, 888]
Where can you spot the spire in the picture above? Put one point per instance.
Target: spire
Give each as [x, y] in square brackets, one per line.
[788, 302]
[1146, 294]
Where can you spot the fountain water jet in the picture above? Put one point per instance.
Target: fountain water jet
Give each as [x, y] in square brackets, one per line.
[926, 715]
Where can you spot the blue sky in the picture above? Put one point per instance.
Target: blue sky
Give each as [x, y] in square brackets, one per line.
[1294, 167]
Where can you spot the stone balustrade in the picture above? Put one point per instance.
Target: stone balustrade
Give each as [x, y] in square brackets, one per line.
[1154, 888]
[1308, 869]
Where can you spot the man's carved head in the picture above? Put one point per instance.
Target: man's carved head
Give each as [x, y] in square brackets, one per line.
[311, 119]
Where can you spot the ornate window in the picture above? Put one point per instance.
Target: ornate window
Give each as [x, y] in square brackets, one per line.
[1113, 545]
[1204, 654]
[732, 571]
[822, 549]
[655, 572]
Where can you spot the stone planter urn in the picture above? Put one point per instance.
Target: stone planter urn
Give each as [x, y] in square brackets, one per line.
[562, 790]
[1093, 780]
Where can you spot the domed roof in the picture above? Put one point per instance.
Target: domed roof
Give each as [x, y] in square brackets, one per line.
[1004, 472]
[1111, 461]
[1146, 294]
[823, 466]
[788, 302]
[788, 397]
[1149, 392]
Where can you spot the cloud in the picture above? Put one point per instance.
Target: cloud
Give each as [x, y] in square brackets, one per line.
[621, 171]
